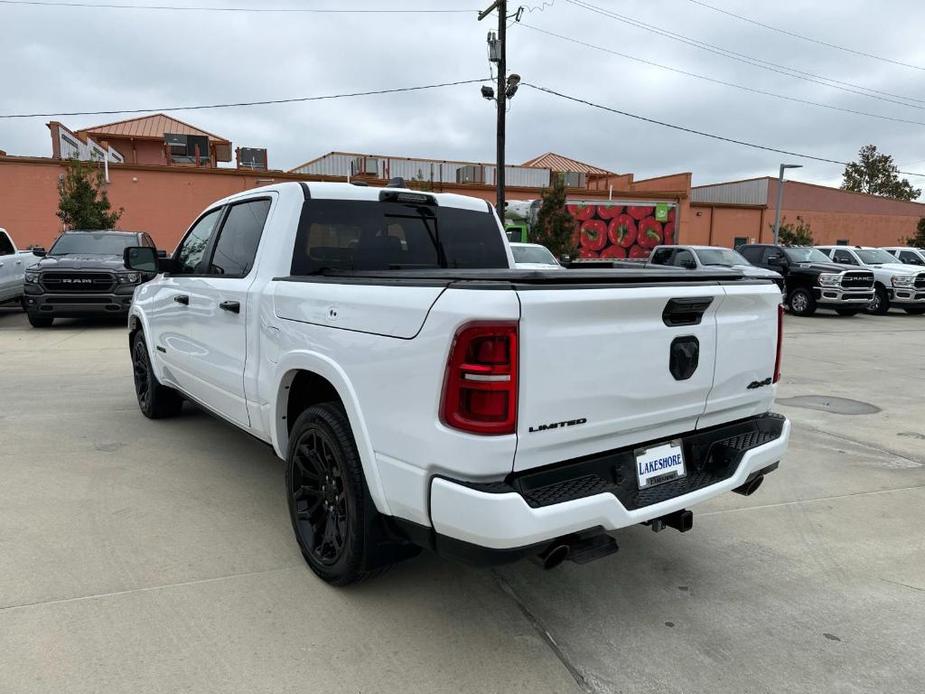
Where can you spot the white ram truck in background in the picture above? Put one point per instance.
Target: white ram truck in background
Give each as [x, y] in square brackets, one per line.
[425, 394]
[13, 264]
[896, 284]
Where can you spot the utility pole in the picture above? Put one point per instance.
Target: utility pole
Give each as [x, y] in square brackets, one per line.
[500, 97]
[780, 198]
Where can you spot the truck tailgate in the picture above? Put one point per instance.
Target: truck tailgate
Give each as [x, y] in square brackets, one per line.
[595, 363]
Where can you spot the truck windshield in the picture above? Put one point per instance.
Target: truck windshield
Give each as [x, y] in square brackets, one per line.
[806, 255]
[720, 256]
[533, 254]
[874, 256]
[369, 235]
[92, 243]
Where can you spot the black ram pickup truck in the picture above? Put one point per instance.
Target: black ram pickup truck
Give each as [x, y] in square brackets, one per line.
[83, 274]
[812, 280]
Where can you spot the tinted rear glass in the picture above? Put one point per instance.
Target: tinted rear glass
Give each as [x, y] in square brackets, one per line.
[367, 235]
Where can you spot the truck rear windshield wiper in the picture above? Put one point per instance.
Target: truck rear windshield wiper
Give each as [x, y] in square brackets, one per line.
[427, 215]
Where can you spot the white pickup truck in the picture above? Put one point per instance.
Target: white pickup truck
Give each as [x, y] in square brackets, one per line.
[13, 264]
[426, 394]
[895, 283]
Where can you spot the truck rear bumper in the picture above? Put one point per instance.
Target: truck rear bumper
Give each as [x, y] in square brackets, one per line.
[538, 506]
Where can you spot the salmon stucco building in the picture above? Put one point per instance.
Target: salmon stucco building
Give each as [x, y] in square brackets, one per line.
[162, 172]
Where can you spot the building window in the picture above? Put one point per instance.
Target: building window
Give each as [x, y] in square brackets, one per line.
[739, 241]
[841, 242]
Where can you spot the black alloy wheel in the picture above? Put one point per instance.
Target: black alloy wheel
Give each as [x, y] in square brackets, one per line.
[342, 536]
[318, 497]
[141, 370]
[154, 400]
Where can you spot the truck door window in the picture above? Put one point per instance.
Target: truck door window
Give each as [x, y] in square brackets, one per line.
[6, 246]
[773, 257]
[910, 258]
[684, 258]
[369, 235]
[662, 256]
[193, 247]
[236, 247]
[752, 254]
[844, 258]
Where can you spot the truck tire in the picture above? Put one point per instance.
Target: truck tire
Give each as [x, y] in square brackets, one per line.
[915, 310]
[880, 305]
[847, 311]
[39, 320]
[334, 518]
[802, 302]
[154, 400]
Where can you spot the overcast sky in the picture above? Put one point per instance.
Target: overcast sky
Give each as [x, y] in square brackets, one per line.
[84, 59]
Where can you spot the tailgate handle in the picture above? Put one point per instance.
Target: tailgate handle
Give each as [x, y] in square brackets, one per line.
[686, 310]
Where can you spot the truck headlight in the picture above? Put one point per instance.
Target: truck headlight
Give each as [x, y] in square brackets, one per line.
[903, 280]
[31, 277]
[129, 278]
[829, 279]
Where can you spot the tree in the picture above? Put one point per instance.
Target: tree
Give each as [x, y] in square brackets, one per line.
[555, 227]
[83, 204]
[918, 241]
[799, 234]
[877, 174]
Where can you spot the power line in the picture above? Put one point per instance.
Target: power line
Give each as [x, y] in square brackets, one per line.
[755, 62]
[682, 128]
[206, 8]
[201, 107]
[717, 81]
[805, 38]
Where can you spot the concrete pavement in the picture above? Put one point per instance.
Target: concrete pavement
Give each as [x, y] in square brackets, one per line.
[157, 556]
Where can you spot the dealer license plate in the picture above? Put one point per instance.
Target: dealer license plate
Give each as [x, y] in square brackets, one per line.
[659, 464]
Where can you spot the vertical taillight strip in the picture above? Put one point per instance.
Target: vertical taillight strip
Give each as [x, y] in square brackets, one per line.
[481, 381]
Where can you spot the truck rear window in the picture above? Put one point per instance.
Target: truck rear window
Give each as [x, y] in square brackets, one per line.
[369, 235]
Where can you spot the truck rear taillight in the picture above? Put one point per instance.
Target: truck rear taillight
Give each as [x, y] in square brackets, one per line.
[780, 341]
[480, 388]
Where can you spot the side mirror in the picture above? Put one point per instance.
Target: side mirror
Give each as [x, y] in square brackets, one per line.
[39, 251]
[141, 258]
[161, 253]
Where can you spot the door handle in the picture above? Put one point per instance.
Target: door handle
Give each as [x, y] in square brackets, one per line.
[230, 306]
[182, 299]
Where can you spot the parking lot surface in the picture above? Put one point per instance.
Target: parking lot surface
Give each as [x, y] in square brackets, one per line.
[158, 557]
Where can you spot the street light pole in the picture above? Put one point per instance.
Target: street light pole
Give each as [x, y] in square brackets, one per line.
[500, 97]
[780, 198]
